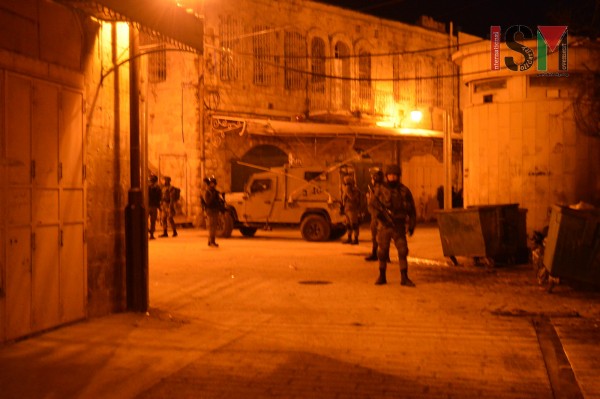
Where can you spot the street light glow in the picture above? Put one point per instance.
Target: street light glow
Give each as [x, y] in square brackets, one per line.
[416, 116]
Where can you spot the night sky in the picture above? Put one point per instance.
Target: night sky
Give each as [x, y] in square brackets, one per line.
[476, 17]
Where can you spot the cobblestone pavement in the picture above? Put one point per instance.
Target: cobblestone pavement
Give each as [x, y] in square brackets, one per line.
[276, 317]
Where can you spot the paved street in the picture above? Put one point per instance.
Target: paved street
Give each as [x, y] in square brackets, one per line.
[276, 317]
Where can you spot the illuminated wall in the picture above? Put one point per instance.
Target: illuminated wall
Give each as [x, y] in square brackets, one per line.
[521, 140]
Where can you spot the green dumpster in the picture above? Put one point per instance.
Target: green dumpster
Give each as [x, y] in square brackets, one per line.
[495, 233]
[573, 244]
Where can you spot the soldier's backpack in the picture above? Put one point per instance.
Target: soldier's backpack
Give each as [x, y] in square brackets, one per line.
[175, 194]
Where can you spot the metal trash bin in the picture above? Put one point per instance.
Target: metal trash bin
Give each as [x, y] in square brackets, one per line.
[573, 244]
[491, 232]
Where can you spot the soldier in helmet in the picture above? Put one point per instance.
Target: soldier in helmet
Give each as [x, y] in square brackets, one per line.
[213, 204]
[154, 198]
[397, 216]
[351, 206]
[167, 206]
[376, 181]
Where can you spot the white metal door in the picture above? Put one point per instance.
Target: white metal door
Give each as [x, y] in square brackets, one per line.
[44, 196]
[72, 251]
[17, 213]
[46, 218]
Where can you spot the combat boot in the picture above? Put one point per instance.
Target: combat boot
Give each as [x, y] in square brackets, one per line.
[404, 280]
[381, 280]
[349, 240]
[174, 233]
[373, 255]
[164, 234]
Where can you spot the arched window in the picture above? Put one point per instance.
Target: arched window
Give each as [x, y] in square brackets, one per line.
[364, 74]
[342, 69]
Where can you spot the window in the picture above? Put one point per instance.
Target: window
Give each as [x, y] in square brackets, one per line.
[157, 57]
[230, 33]
[265, 62]
[438, 98]
[294, 49]
[260, 185]
[319, 176]
[364, 74]
[489, 85]
[318, 65]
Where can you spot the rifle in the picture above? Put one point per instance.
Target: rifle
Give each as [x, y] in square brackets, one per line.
[384, 212]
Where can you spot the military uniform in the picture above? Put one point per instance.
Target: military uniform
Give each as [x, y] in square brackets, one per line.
[213, 204]
[397, 215]
[154, 198]
[376, 181]
[351, 206]
[167, 207]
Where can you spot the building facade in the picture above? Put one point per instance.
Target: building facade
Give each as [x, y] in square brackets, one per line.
[273, 82]
[65, 150]
[281, 82]
[525, 135]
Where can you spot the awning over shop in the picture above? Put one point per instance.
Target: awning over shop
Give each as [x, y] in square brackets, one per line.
[161, 16]
[265, 127]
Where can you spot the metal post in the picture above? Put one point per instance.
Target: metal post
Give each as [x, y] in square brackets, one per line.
[447, 161]
[136, 236]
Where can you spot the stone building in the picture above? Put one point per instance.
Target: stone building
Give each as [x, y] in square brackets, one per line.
[265, 82]
[65, 150]
[306, 83]
[525, 135]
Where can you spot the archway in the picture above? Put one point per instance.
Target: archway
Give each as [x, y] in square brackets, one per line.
[265, 156]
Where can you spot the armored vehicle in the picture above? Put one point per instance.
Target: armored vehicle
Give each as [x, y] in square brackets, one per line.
[289, 196]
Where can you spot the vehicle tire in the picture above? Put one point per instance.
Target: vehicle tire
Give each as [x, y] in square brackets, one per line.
[224, 225]
[248, 231]
[315, 228]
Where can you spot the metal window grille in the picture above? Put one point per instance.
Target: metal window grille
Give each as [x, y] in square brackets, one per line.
[397, 84]
[439, 86]
[341, 66]
[265, 62]
[294, 50]
[364, 74]
[318, 65]
[231, 32]
[157, 57]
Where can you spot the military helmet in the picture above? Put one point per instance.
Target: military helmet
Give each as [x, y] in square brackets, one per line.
[393, 169]
[212, 179]
[374, 170]
[167, 179]
[153, 178]
[348, 179]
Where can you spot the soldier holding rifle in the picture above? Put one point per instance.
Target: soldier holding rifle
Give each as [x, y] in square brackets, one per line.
[395, 209]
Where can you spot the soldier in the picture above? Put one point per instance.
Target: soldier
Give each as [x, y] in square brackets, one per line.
[167, 205]
[397, 217]
[376, 181]
[351, 206]
[213, 204]
[154, 197]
